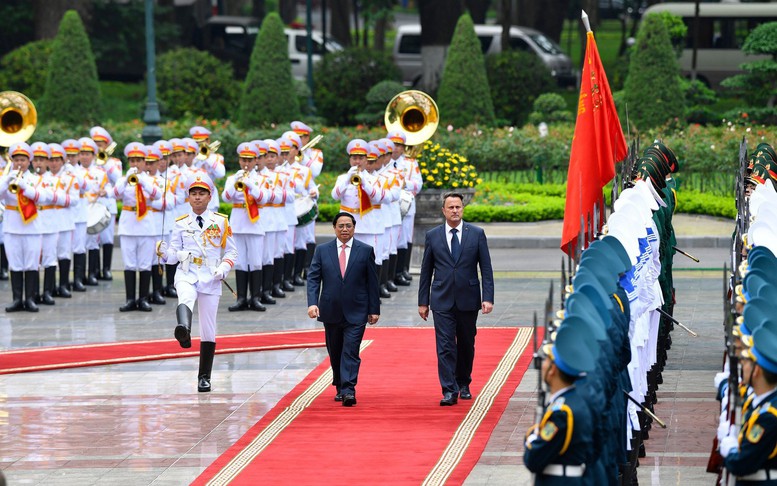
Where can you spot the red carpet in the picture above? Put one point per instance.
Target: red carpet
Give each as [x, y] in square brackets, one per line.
[39, 359]
[397, 433]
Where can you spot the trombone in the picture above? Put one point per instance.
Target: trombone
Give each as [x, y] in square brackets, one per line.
[103, 155]
[310, 144]
[206, 150]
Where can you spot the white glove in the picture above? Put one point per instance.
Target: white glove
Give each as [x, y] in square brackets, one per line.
[239, 174]
[183, 255]
[29, 192]
[352, 170]
[723, 427]
[221, 272]
[728, 445]
[146, 182]
[720, 378]
[531, 438]
[132, 170]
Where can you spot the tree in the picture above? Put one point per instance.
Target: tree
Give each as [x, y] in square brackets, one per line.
[268, 94]
[759, 83]
[478, 9]
[438, 20]
[531, 13]
[464, 96]
[72, 92]
[48, 13]
[341, 26]
[652, 104]
[516, 79]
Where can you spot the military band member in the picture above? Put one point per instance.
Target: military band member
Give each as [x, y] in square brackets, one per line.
[49, 221]
[313, 159]
[98, 189]
[293, 190]
[303, 234]
[68, 184]
[413, 183]
[274, 218]
[246, 190]
[204, 249]
[157, 210]
[20, 191]
[213, 165]
[5, 166]
[176, 184]
[137, 229]
[113, 170]
[73, 166]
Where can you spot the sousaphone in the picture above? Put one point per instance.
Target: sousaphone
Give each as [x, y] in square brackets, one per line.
[415, 114]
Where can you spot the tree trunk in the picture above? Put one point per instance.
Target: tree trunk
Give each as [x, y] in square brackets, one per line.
[533, 14]
[48, 14]
[505, 15]
[340, 18]
[477, 10]
[287, 10]
[258, 9]
[380, 34]
[438, 21]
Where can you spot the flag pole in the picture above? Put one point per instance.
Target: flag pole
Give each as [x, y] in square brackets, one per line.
[586, 22]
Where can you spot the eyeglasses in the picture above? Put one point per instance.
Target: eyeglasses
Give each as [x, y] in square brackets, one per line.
[345, 226]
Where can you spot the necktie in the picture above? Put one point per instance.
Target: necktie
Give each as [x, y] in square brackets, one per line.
[342, 260]
[199, 221]
[455, 249]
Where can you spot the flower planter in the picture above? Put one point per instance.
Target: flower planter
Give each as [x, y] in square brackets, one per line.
[428, 214]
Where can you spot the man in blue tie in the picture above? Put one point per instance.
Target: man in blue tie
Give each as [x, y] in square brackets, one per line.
[449, 272]
[343, 293]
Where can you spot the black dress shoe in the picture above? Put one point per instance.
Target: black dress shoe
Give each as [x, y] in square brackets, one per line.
[130, 306]
[204, 385]
[298, 281]
[156, 298]
[240, 305]
[407, 276]
[449, 399]
[391, 286]
[277, 292]
[339, 397]
[256, 304]
[143, 305]
[401, 281]
[183, 336]
[288, 286]
[384, 293]
[349, 400]
[169, 291]
[107, 275]
[464, 393]
[267, 298]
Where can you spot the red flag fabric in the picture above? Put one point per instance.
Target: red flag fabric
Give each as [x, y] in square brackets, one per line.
[141, 209]
[251, 206]
[26, 206]
[365, 205]
[597, 144]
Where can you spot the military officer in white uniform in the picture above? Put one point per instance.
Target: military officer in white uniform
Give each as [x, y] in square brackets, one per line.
[67, 183]
[112, 168]
[204, 249]
[73, 167]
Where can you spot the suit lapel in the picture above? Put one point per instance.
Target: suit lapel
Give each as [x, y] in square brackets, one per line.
[349, 264]
[462, 242]
[335, 256]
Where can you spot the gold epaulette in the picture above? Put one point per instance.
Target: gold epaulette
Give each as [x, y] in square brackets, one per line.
[222, 215]
[179, 218]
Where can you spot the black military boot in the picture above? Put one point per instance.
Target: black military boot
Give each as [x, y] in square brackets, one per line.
[79, 272]
[255, 279]
[107, 260]
[299, 266]
[17, 287]
[267, 276]
[49, 282]
[311, 248]
[207, 352]
[184, 328]
[64, 280]
[156, 285]
[399, 279]
[145, 282]
[288, 269]
[170, 289]
[391, 270]
[277, 278]
[94, 266]
[130, 279]
[3, 263]
[384, 293]
[241, 279]
[31, 285]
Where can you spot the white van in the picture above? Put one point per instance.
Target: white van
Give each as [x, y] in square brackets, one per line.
[407, 50]
[723, 28]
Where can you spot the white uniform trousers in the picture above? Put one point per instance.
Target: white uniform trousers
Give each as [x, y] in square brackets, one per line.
[386, 243]
[64, 244]
[280, 244]
[249, 251]
[48, 253]
[269, 248]
[288, 242]
[407, 229]
[304, 235]
[105, 237]
[79, 238]
[372, 240]
[396, 235]
[138, 252]
[93, 242]
[207, 308]
[23, 252]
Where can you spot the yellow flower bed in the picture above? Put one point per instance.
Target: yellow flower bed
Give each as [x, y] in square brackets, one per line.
[443, 169]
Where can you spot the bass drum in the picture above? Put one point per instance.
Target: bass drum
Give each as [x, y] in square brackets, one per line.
[97, 218]
[306, 210]
[405, 202]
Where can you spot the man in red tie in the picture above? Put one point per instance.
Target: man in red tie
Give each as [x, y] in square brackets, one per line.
[343, 279]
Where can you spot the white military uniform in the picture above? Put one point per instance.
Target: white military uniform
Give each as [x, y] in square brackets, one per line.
[68, 183]
[368, 222]
[248, 230]
[413, 183]
[23, 239]
[138, 232]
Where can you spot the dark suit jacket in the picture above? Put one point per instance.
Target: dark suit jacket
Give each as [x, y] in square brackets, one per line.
[352, 298]
[455, 282]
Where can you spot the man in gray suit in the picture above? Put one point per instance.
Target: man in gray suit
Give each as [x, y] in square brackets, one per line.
[449, 271]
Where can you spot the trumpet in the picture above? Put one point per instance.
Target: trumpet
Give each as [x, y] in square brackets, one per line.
[356, 180]
[132, 178]
[206, 150]
[311, 143]
[13, 186]
[240, 184]
[102, 155]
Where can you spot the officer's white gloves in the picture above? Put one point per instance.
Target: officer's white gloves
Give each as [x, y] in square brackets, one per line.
[720, 378]
[730, 443]
[29, 192]
[221, 272]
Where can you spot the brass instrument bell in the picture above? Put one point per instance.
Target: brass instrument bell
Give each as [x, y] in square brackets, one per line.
[18, 118]
[414, 113]
[206, 150]
[356, 180]
[103, 155]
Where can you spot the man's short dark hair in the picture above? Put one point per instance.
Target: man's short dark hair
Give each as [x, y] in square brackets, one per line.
[446, 195]
[769, 377]
[340, 215]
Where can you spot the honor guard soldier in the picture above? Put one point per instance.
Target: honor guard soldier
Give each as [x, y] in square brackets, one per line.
[213, 163]
[305, 231]
[559, 446]
[113, 170]
[73, 166]
[49, 221]
[68, 184]
[99, 190]
[137, 229]
[176, 184]
[247, 193]
[204, 249]
[413, 183]
[20, 192]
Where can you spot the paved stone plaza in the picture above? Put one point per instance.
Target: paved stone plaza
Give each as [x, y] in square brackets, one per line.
[144, 423]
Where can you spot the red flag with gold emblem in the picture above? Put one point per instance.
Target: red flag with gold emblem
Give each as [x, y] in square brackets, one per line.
[26, 206]
[365, 205]
[597, 144]
[251, 206]
[140, 199]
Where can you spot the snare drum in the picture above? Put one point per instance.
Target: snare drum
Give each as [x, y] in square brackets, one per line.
[306, 210]
[405, 201]
[97, 218]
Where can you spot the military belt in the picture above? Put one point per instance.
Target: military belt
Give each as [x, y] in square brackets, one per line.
[562, 470]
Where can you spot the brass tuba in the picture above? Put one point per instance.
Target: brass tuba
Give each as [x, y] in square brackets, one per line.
[415, 114]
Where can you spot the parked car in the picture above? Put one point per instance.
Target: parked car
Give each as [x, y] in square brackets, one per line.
[232, 39]
[407, 50]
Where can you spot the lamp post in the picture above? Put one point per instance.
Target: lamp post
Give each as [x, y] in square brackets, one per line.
[151, 131]
[309, 48]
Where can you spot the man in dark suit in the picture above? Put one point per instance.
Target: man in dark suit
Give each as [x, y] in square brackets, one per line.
[343, 280]
[452, 253]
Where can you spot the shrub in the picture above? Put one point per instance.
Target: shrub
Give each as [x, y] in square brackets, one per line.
[516, 78]
[344, 78]
[269, 95]
[550, 108]
[464, 96]
[377, 99]
[759, 83]
[195, 82]
[72, 92]
[25, 69]
[650, 104]
[698, 99]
